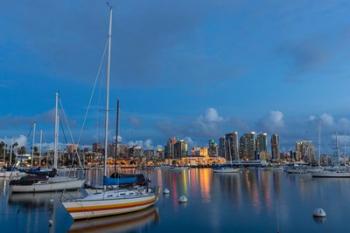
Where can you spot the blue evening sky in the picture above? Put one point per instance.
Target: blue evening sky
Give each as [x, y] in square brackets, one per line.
[191, 69]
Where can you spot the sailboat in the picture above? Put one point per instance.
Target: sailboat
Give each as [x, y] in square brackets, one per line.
[227, 169]
[110, 200]
[334, 172]
[47, 181]
[318, 168]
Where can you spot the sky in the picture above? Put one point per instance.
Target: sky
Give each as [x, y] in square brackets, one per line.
[191, 69]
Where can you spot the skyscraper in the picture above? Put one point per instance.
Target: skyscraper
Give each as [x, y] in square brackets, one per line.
[212, 148]
[231, 146]
[275, 143]
[222, 149]
[247, 147]
[180, 149]
[169, 148]
[261, 146]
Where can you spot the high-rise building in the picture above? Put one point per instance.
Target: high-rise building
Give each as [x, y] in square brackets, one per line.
[222, 150]
[169, 148]
[212, 148]
[305, 150]
[275, 144]
[261, 146]
[231, 146]
[247, 147]
[180, 149]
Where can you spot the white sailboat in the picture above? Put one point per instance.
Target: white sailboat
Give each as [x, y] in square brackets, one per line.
[334, 172]
[114, 201]
[37, 183]
[225, 169]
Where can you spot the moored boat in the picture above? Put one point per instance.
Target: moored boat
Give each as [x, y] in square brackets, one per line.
[115, 201]
[226, 170]
[112, 202]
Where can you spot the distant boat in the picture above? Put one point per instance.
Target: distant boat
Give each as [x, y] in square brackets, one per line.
[221, 169]
[333, 172]
[296, 169]
[226, 170]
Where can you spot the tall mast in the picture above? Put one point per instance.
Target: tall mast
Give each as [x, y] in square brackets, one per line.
[40, 145]
[107, 89]
[337, 147]
[55, 152]
[319, 144]
[33, 143]
[116, 137]
[11, 147]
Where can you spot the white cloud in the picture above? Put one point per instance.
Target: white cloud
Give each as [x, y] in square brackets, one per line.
[327, 119]
[212, 115]
[146, 144]
[209, 122]
[273, 121]
[21, 140]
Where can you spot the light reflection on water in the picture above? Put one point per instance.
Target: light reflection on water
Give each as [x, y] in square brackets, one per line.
[254, 200]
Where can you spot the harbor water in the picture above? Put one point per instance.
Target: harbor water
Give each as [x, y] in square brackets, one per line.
[254, 200]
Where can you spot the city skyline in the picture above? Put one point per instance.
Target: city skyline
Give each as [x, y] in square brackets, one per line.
[196, 76]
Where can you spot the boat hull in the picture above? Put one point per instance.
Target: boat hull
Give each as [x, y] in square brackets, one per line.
[226, 170]
[48, 186]
[11, 174]
[82, 209]
[331, 175]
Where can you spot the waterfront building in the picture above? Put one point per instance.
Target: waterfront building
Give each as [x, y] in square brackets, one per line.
[169, 148]
[221, 149]
[231, 146]
[305, 150]
[261, 146]
[72, 148]
[135, 151]
[149, 153]
[275, 143]
[203, 151]
[247, 146]
[96, 148]
[180, 149]
[212, 148]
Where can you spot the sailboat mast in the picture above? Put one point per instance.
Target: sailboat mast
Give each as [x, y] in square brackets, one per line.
[116, 138]
[11, 148]
[55, 155]
[319, 144]
[107, 89]
[33, 143]
[40, 146]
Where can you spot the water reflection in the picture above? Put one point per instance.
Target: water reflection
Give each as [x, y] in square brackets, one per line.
[258, 200]
[122, 223]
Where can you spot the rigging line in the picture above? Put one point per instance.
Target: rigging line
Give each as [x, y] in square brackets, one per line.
[64, 133]
[66, 121]
[69, 130]
[93, 91]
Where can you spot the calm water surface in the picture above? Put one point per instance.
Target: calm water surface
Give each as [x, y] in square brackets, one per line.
[255, 200]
